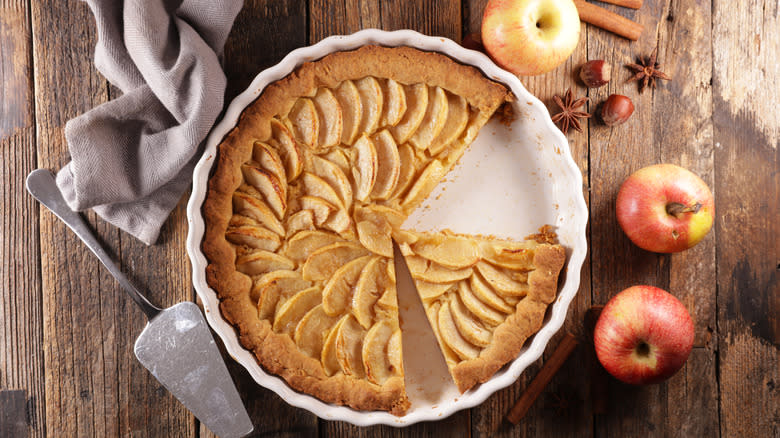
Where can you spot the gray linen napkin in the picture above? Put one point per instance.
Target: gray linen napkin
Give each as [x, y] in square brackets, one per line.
[132, 157]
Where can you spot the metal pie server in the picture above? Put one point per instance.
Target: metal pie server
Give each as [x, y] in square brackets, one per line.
[176, 345]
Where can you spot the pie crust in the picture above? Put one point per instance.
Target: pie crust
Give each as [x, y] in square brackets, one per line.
[307, 191]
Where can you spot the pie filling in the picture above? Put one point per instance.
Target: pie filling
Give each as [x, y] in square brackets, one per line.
[309, 191]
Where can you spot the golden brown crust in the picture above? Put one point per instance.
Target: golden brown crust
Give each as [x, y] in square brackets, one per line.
[510, 336]
[277, 353]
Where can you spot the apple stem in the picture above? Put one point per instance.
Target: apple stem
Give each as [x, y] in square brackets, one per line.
[676, 209]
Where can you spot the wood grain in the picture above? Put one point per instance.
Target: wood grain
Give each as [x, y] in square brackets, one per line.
[683, 109]
[616, 152]
[748, 231]
[21, 334]
[94, 385]
[263, 33]
[66, 330]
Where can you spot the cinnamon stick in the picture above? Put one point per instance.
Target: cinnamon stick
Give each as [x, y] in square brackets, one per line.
[633, 4]
[607, 20]
[551, 366]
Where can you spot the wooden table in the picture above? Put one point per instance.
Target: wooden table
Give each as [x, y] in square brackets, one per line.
[67, 330]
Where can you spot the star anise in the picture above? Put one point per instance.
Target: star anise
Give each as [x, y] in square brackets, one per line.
[569, 116]
[647, 71]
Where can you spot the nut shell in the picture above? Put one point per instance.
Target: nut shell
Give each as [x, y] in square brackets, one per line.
[595, 73]
[616, 110]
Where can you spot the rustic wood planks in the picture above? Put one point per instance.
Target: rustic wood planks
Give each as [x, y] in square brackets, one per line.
[94, 385]
[747, 135]
[66, 330]
[22, 397]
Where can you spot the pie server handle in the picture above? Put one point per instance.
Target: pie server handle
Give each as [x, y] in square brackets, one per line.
[176, 346]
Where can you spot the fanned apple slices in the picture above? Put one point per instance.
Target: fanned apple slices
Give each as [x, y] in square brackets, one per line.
[308, 192]
[477, 289]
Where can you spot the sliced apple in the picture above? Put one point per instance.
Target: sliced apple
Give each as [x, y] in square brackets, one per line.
[433, 121]
[450, 251]
[321, 208]
[335, 177]
[468, 326]
[372, 102]
[351, 109]
[260, 262]
[329, 114]
[386, 306]
[318, 187]
[428, 179]
[267, 157]
[294, 309]
[457, 119]
[430, 291]
[269, 289]
[239, 220]
[337, 293]
[305, 122]
[375, 359]
[395, 353]
[424, 269]
[339, 158]
[379, 214]
[519, 276]
[349, 346]
[303, 244]
[416, 106]
[502, 282]
[258, 210]
[311, 331]
[481, 310]
[323, 262]
[452, 337]
[388, 165]
[432, 312]
[330, 362]
[300, 221]
[273, 190]
[254, 237]
[368, 288]
[394, 104]
[375, 238]
[406, 170]
[339, 222]
[487, 295]
[365, 168]
[510, 255]
[288, 149]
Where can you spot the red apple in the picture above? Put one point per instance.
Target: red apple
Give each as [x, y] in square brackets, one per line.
[665, 208]
[644, 335]
[530, 37]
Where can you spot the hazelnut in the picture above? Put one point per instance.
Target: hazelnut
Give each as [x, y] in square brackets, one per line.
[616, 110]
[595, 73]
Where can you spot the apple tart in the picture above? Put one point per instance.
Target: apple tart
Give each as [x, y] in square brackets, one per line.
[483, 297]
[308, 192]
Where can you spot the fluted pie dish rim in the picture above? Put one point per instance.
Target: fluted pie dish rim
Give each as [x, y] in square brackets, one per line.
[576, 245]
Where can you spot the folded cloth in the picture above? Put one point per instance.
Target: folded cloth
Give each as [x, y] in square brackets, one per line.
[132, 157]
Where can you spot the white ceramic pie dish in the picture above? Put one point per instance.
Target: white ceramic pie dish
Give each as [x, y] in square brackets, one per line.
[513, 179]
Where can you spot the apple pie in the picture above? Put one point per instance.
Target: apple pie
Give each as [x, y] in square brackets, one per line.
[309, 191]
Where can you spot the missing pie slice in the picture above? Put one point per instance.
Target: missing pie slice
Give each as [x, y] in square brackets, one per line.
[308, 192]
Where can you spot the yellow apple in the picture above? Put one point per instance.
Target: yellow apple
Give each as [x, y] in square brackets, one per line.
[530, 37]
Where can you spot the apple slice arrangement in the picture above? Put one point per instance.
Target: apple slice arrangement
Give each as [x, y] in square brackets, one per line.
[644, 334]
